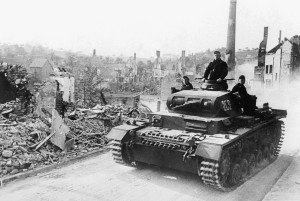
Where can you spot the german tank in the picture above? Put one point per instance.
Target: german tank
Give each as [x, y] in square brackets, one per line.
[205, 133]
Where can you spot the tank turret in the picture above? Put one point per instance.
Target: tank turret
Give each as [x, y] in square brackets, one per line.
[204, 103]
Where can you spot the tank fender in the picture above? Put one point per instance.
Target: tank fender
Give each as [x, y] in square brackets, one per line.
[119, 132]
[209, 150]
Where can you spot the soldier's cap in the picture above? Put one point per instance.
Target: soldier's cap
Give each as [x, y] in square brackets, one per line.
[185, 77]
[217, 52]
[242, 77]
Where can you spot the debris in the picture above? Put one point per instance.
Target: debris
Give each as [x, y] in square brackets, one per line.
[45, 140]
[69, 145]
[60, 129]
[7, 153]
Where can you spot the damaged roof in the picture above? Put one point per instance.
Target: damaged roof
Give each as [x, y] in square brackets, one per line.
[39, 63]
[274, 50]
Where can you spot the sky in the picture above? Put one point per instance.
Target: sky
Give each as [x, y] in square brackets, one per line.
[122, 27]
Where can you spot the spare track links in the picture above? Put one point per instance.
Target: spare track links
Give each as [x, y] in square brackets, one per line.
[210, 171]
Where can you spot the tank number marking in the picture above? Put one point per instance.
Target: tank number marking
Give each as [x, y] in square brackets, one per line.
[226, 105]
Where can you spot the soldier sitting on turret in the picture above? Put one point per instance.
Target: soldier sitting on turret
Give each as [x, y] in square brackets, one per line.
[216, 70]
[186, 85]
[247, 102]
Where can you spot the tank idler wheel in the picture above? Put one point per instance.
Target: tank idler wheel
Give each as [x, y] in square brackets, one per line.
[252, 163]
[258, 157]
[244, 168]
[272, 152]
[235, 175]
[266, 154]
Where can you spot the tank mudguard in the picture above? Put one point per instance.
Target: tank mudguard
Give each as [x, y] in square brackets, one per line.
[209, 151]
[119, 132]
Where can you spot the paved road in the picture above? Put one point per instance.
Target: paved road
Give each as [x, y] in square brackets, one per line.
[100, 178]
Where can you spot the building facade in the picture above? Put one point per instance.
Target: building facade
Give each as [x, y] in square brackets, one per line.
[282, 63]
[41, 69]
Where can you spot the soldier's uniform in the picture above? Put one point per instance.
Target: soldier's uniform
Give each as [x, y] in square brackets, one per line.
[187, 86]
[216, 69]
[247, 101]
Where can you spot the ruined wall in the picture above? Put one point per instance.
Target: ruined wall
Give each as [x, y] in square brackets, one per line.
[272, 77]
[7, 91]
[285, 71]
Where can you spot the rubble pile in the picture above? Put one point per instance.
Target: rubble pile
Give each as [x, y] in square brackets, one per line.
[25, 140]
[18, 140]
[16, 74]
[89, 126]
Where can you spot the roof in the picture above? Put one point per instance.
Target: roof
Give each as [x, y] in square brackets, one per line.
[38, 63]
[274, 50]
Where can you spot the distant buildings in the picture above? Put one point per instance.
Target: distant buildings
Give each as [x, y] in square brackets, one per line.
[41, 69]
[279, 65]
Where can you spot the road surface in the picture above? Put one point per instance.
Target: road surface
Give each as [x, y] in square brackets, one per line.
[100, 178]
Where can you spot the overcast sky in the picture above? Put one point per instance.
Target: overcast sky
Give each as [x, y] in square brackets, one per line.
[121, 27]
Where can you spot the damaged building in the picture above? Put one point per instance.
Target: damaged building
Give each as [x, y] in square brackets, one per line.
[279, 65]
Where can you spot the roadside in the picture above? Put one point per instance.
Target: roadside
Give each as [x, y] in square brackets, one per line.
[66, 162]
[287, 188]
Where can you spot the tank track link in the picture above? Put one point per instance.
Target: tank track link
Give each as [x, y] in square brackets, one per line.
[209, 174]
[278, 147]
[116, 147]
[117, 154]
[209, 170]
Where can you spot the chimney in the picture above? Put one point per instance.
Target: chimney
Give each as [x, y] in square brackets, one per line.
[94, 52]
[262, 48]
[183, 53]
[259, 70]
[134, 56]
[279, 39]
[157, 53]
[265, 34]
[230, 48]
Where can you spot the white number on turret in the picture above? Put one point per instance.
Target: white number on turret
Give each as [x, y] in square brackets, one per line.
[226, 105]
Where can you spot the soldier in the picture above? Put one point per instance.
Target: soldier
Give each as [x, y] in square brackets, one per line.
[247, 102]
[217, 69]
[186, 85]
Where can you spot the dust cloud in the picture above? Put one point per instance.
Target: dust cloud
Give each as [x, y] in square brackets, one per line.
[286, 97]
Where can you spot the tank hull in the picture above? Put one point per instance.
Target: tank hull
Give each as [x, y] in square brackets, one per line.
[257, 146]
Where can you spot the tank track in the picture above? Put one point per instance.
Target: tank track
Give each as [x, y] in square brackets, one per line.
[117, 153]
[116, 147]
[278, 147]
[210, 173]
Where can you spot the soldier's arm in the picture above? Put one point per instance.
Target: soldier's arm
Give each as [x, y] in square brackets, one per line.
[225, 71]
[207, 71]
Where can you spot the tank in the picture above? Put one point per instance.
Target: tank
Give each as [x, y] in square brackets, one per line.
[205, 133]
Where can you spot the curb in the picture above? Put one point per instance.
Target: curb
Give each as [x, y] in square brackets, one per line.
[48, 168]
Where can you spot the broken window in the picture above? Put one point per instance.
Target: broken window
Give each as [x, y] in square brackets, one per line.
[267, 69]
[271, 68]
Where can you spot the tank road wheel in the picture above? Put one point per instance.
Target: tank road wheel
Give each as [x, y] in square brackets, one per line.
[244, 168]
[266, 154]
[272, 152]
[258, 157]
[224, 167]
[235, 175]
[251, 163]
